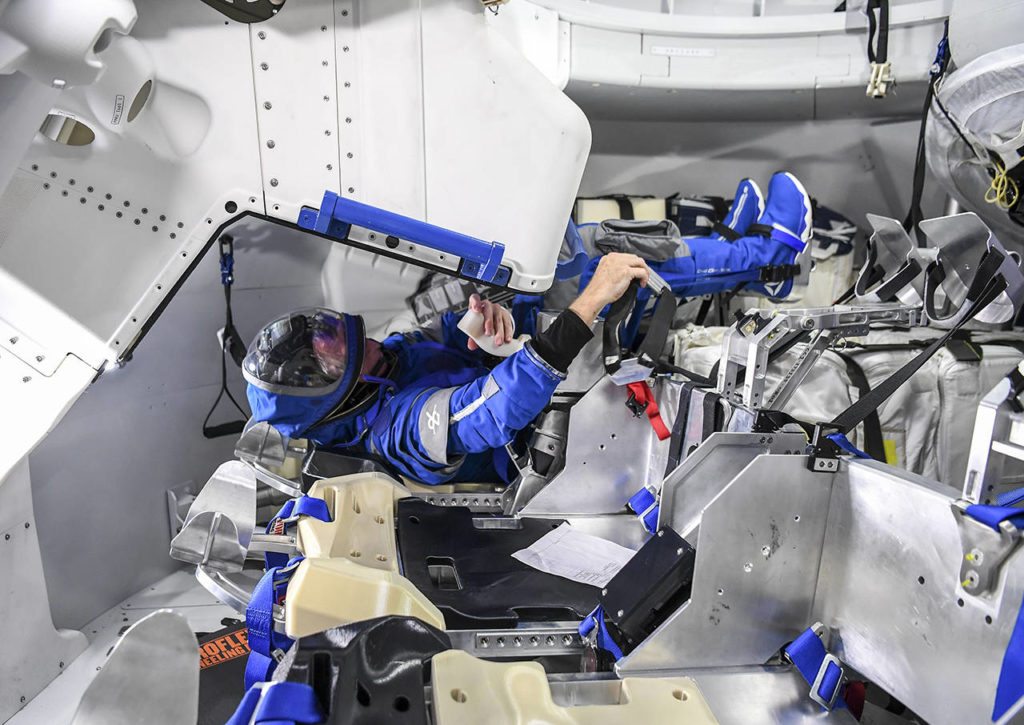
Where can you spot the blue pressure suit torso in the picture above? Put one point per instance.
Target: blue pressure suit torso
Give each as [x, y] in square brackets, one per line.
[440, 415]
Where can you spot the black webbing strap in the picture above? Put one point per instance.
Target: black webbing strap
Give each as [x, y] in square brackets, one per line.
[874, 443]
[901, 279]
[914, 214]
[878, 27]
[991, 286]
[675, 444]
[705, 308]
[729, 233]
[848, 294]
[653, 345]
[759, 230]
[611, 338]
[625, 206]
[232, 345]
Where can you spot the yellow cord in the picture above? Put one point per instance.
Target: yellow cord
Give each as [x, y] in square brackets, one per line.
[1003, 190]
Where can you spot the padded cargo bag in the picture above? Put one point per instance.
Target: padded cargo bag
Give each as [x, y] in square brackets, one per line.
[926, 425]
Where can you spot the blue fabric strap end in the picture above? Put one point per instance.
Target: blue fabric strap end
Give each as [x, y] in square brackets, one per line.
[843, 442]
[992, 515]
[311, 506]
[641, 501]
[595, 620]
[1011, 676]
[650, 519]
[820, 669]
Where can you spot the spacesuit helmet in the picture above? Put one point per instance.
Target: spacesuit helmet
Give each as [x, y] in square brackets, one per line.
[306, 353]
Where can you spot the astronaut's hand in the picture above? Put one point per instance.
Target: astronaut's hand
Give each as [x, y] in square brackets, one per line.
[611, 279]
[497, 321]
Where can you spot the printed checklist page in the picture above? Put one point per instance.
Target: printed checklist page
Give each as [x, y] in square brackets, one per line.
[575, 555]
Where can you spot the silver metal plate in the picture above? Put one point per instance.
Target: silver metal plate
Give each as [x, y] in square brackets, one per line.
[152, 676]
[610, 454]
[704, 473]
[758, 548]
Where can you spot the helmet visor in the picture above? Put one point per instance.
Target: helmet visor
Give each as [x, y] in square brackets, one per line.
[307, 353]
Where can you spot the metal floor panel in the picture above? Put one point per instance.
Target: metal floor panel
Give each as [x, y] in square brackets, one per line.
[178, 591]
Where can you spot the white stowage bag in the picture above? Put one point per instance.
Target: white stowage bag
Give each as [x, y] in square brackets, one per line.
[926, 424]
[985, 99]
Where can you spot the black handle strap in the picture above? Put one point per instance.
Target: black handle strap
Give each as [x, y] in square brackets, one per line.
[232, 344]
[612, 335]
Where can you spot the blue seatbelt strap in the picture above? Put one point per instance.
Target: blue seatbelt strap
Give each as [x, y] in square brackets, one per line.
[278, 703]
[843, 442]
[645, 505]
[1011, 676]
[594, 623]
[288, 515]
[1009, 498]
[266, 646]
[820, 669]
[993, 515]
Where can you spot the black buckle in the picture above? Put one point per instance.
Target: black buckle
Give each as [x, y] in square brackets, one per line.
[635, 405]
[778, 272]
[824, 454]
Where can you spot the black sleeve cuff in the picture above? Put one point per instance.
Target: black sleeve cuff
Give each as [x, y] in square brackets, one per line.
[559, 345]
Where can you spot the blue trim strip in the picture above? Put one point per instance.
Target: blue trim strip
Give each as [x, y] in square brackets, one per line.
[336, 213]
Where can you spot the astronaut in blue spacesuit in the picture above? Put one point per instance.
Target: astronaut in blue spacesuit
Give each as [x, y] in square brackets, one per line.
[423, 401]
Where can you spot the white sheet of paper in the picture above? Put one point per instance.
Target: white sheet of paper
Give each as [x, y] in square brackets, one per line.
[575, 555]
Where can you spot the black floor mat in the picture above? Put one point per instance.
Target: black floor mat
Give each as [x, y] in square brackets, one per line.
[463, 563]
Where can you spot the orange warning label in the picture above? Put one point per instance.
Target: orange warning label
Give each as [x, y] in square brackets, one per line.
[223, 649]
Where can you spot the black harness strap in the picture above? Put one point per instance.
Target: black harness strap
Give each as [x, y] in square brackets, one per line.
[914, 214]
[874, 442]
[705, 308]
[657, 333]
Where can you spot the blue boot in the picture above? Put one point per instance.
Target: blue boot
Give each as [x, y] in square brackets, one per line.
[747, 207]
[785, 228]
[779, 235]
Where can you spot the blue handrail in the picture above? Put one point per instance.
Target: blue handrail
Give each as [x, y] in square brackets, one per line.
[481, 259]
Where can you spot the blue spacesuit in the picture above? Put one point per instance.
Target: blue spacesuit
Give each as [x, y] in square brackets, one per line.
[757, 235]
[439, 415]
